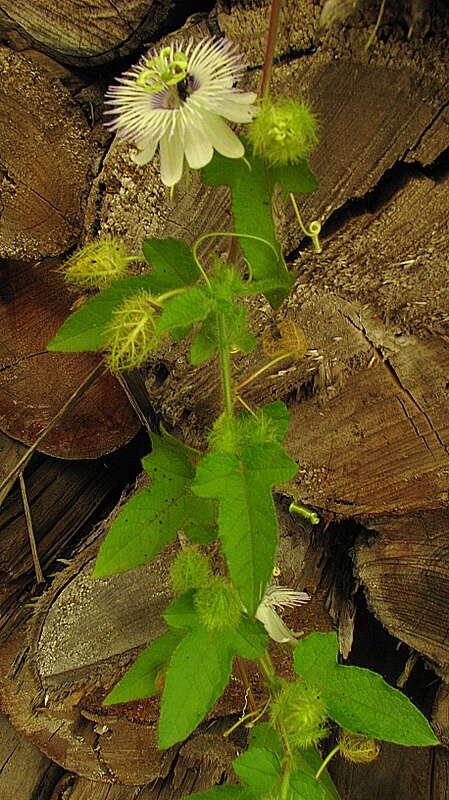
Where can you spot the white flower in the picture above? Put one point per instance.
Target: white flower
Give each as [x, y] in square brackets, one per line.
[177, 99]
[278, 597]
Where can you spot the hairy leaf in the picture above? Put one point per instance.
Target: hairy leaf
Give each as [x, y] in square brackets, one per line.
[358, 699]
[181, 612]
[263, 735]
[250, 639]
[139, 680]
[252, 185]
[153, 516]
[247, 519]
[309, 760]
[251, 191]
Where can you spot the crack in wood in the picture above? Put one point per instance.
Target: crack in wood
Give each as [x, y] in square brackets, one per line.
[5, 763]
[402, 389]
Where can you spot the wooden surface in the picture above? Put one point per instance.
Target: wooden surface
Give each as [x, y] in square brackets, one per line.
[35, 384]
[85, 33]
[369, 402]
[45, 155]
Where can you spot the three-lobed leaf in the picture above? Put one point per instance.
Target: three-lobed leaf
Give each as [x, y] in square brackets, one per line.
[305, 787]
[252, 184]
[182, 311]
[247, 519]
[358, 699]
[251, 192]
[153, 516]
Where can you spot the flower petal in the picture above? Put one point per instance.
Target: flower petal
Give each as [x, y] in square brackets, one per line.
[197, 146]
[145, 153]
[273, 624]
[172, 157]
[222, 138]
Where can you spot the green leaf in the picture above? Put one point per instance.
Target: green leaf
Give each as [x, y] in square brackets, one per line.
[309, 760]
[296, 178]
[153, 516]
[85, 328]
[173, 263]
[250, 639]
[258, 768]
[251, 191]
[185, 309]
[204, 345]
[201, 534]
[181, 612]
[247, 519]
[305, 787]
[196, 676]
[139, 680]
[358, 699]
[263, 735]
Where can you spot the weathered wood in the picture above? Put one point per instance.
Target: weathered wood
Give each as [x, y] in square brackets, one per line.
[45, 156]
[88, 33]
[405, 573]
[24, 770]
[63, 498]
[389, 777]
[35, 384]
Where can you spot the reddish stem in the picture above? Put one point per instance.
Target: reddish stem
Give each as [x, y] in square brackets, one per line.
[269, 48]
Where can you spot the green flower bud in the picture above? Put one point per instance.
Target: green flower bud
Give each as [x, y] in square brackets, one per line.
[131, 334]
[190, 570]
[284, 131]
[218, 604]
[358, 749]
[97, 265]
[299, 712]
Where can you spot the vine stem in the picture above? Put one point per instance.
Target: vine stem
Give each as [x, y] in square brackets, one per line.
[270, 47]
[314, 229]
[326, 761]
[225, 361]
[263, 369]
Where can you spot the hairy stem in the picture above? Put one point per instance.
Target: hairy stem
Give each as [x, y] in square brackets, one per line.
[225, 362]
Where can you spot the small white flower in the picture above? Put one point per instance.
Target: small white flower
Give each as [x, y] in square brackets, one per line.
[177, 99]
[279, 597]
